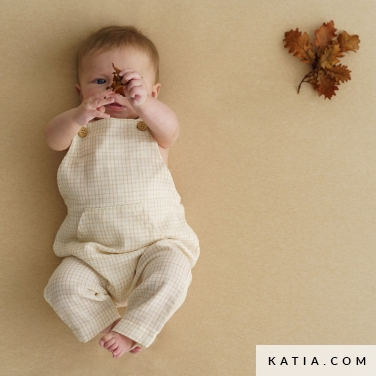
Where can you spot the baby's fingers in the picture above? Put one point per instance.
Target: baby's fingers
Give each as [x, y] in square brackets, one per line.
[128, 75]
[100, 113]
[98, 102]
[135, 83]
[104, 95]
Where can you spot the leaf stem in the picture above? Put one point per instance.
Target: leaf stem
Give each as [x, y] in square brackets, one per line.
[308, 75]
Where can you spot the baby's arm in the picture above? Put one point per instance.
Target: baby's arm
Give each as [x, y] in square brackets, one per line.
[161, 120]
[61, 129]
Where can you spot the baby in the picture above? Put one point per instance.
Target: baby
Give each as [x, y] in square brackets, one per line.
[124, 241]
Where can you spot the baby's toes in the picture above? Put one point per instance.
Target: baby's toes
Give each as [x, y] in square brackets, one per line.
[109, 344]
[118, 352]
[105, 339]
[136, 350]
[113, 347]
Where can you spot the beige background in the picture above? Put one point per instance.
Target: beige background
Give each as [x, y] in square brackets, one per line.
[279, 187]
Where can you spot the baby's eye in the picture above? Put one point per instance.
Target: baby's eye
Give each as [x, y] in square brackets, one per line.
[100, 81]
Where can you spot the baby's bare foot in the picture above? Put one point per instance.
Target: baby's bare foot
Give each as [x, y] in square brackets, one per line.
[117, 344]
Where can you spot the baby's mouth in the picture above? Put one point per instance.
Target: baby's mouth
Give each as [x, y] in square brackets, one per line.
[114, 106]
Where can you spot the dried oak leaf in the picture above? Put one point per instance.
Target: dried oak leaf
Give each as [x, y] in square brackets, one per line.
[329, 56]
[348, 42]
[326, 85]
[300, 46]
[324, 36]
[340, 73]
[117, 86]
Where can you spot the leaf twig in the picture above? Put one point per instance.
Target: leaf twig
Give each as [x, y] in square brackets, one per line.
[310, 74]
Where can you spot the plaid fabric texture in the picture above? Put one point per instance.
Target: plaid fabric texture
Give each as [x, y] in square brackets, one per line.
[124, 240]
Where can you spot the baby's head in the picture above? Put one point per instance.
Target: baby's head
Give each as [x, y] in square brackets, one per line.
[123, 46]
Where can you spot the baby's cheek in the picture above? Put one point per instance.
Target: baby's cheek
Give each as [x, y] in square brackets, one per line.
[92, 92]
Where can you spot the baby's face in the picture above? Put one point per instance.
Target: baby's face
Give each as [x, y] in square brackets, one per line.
[96, 75]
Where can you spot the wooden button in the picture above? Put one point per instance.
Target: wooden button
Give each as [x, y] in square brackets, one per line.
[141, 125]
[82, 132]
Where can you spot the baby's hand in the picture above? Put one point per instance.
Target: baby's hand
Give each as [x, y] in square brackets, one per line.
[93, 107]
[135, 87]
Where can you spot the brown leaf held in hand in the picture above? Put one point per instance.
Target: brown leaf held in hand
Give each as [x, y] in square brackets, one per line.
[117, 85]
[323, 55]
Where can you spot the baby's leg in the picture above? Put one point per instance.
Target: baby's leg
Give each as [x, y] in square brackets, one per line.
[77, 293]
[162, 278]
[109, 328]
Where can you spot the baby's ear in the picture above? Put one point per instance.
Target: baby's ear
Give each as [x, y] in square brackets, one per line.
[78, 89]
[155, 90]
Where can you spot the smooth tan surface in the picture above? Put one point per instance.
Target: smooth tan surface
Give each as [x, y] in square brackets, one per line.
[279, 187]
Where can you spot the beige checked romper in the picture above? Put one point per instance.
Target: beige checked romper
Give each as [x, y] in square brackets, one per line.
[124, 240]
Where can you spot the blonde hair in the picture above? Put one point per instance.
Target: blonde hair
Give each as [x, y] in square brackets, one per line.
[115, 37]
